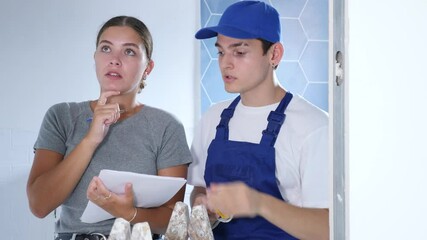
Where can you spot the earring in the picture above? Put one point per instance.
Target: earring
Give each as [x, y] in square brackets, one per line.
[142, 84]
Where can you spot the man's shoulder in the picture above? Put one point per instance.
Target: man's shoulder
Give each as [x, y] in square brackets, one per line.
[210, 118]
[303, 106]
[302, 114]
[218, 107]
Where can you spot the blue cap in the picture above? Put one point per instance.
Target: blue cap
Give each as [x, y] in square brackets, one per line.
[246, 20]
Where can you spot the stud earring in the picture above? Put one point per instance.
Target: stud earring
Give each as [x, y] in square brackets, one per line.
[274, 66]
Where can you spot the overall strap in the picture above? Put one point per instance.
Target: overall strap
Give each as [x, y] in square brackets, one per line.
[226, 115]
[275, 120]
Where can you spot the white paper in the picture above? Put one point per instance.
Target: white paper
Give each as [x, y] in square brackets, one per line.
[149, 190]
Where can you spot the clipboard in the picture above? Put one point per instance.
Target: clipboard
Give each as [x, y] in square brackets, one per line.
[149, 190]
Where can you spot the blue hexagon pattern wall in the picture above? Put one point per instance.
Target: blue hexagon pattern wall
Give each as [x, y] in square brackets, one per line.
[304, 67]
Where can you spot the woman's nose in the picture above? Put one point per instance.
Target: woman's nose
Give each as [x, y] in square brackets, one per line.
[115, 61]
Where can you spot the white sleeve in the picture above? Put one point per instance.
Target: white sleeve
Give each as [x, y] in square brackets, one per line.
[314, 169]
[204, 133]
[199, 152]
[196, 169]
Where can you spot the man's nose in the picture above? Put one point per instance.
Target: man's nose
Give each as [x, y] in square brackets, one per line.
[226, 61]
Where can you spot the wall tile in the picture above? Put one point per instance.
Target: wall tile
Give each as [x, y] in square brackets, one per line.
[315, 19]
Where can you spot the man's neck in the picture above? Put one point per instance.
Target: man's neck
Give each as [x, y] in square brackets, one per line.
[263, 98]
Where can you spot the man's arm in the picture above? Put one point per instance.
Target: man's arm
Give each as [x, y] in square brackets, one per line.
[303, 223]
[198, 196]
[238, 200]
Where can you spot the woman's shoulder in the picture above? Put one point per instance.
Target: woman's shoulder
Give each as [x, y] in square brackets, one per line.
[68, 109]
[158, 114]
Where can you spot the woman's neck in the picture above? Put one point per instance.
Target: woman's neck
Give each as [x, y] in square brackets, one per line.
[127, 104]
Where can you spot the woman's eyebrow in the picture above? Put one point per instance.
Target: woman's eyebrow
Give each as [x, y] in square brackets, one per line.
[131, 45]
[125, 44]
[105, 41]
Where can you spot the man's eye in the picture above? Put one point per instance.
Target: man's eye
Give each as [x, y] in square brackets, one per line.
[220, 53]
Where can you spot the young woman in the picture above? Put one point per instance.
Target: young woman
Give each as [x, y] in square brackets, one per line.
[77, 140]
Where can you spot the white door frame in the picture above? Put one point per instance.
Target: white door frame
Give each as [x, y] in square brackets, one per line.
[338, 109]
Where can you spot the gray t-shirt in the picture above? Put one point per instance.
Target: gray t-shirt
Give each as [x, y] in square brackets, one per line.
[150, 140]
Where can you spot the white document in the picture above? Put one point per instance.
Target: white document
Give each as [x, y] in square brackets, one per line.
[149, 190]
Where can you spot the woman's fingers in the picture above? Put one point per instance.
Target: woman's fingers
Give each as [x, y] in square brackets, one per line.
[112, 109]
[108, 114]
[104, 114]
[97, 192]
[92, 192]
[105, 95]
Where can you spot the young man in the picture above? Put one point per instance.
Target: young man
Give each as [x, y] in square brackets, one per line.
[261, 159]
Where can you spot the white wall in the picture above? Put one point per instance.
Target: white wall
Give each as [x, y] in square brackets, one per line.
[387, 119]
[46, 57]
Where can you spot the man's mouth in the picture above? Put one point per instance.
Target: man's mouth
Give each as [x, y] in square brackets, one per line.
[228, 78]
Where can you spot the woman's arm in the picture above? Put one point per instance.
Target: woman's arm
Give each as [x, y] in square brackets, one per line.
[123, 205]
[159, 217]
[52, 178]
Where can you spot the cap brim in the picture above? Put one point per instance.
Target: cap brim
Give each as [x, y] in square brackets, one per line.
[206, 33]
[210, 32]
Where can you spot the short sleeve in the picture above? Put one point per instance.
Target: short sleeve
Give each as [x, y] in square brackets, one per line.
[174, 147]
[199, 153]
[53, 131]
[314, 169]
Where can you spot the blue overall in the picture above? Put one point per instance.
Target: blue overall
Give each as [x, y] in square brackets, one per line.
[253, 164]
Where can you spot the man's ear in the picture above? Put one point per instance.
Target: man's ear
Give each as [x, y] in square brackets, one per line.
[277, 53]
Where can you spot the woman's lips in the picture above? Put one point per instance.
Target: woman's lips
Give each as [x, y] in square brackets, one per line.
[113, 75]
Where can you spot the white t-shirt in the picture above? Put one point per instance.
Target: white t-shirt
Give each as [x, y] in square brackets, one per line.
[302, 165]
